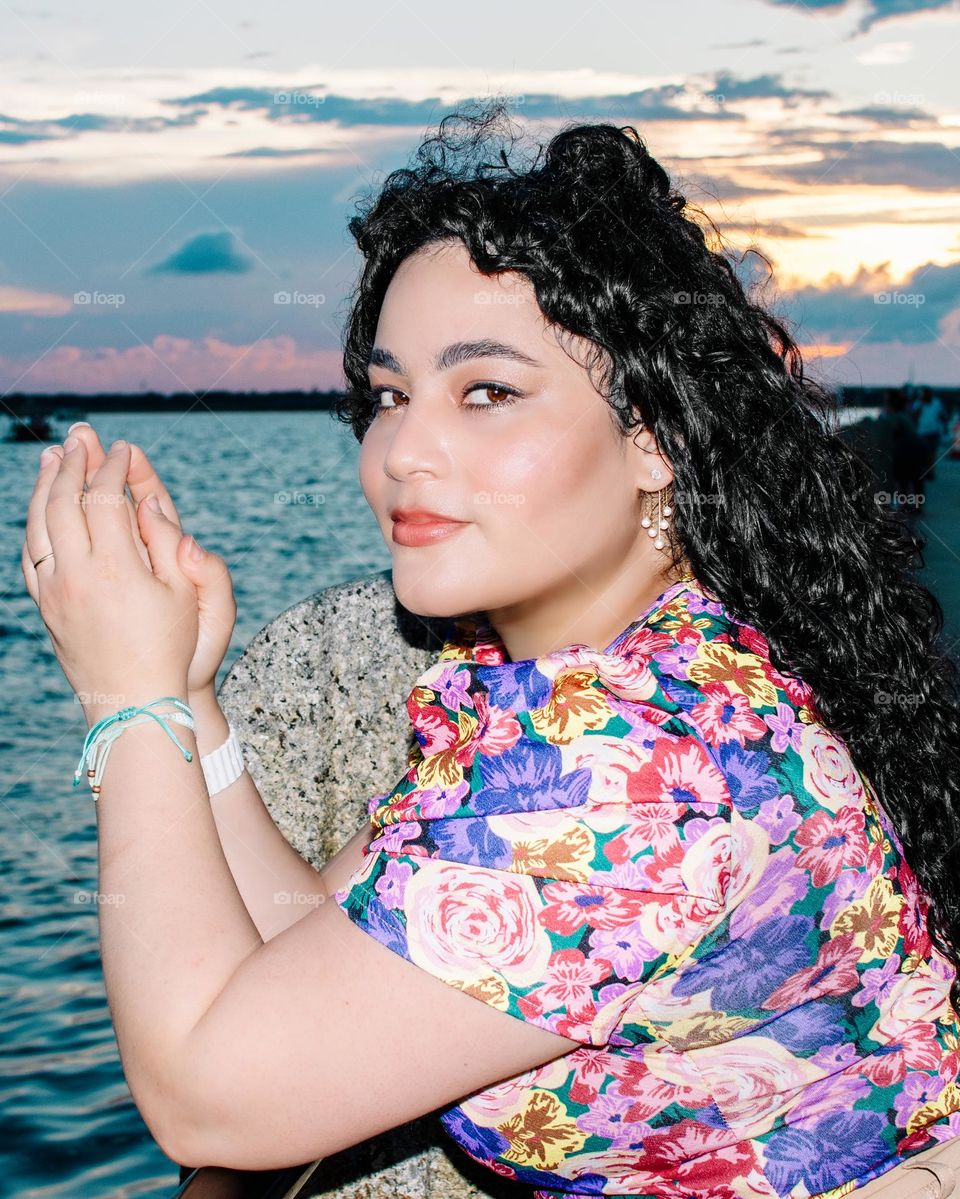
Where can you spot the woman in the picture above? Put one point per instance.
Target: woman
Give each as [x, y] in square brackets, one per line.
[686, 733]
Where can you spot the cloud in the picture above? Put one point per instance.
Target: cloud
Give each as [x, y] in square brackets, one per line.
[17, 132]
[205, 254]
[885, 114]
[877, 10]
[870, 308]
[925, 166]
[175, 364]
[34, 303]
[763, 87]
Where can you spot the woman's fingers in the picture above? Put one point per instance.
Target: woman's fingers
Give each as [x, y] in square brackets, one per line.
[36, 541]
[143, 480]
[95, 456]
[60, 522]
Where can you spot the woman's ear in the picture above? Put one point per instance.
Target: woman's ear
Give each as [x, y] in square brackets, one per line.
[652, 470]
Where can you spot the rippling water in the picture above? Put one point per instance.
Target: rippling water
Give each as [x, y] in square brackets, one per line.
[277, 495]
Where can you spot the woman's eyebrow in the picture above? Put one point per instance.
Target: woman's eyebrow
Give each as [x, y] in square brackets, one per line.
[455, 353]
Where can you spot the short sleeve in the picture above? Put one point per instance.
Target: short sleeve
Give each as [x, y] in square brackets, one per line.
[593, 869]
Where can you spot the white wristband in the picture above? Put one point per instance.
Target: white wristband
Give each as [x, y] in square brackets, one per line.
[223, 765]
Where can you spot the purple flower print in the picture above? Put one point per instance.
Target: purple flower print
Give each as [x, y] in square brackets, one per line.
[805, 1027]
[742, 973]
[694, 829]
[849, 886]
[393, 882]
[779, 817]
[946, 1132]
[876, 983]
[605, 1117]
[748, 775]
[470, 839]
[527, 778]
[836, 1057]
[781, 885]
[627, 951]
[394, 835]
[787, 730]
[841, 1146]
[676, 660]
[476, 1140]
[830, 1094]
[451, 685]
[435, 802]
[917, 1089]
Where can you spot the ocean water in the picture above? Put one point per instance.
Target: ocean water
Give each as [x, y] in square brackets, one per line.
[277, 495]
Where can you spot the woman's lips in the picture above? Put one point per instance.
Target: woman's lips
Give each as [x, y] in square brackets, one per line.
[408, 532]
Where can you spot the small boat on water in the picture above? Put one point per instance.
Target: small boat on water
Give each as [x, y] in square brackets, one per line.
[31, 428]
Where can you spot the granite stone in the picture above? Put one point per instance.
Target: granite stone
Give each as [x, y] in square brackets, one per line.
[318, 699]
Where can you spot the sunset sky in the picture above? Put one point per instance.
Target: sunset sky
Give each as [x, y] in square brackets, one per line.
[167, 170]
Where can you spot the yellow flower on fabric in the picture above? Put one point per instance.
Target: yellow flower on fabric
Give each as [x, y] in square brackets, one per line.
[945, 1104]
[569, 857]
[541, 1134]
[873, 920]
[717, 662]
[573, 707]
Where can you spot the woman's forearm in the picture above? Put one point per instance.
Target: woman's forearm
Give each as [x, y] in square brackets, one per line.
[278, 887]
[173, 925]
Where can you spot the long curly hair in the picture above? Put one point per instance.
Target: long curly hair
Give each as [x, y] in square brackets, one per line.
[774, 511]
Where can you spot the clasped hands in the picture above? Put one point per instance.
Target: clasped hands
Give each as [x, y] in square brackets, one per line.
[131, 615]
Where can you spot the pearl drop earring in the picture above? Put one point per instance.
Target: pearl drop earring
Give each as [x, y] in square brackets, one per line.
[663, 511]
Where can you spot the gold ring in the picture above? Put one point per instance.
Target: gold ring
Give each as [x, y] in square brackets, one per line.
[43, 559]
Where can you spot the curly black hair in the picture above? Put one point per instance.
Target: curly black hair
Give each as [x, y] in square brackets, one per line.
[774, 511]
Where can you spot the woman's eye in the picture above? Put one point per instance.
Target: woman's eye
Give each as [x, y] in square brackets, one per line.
[503, 395]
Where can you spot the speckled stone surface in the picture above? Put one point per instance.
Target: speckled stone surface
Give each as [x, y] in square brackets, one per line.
[318, 701]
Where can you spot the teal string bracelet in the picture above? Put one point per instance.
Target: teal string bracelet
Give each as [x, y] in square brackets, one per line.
[101, 736]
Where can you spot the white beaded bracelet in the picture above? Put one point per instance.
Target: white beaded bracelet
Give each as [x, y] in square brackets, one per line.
[223, 765]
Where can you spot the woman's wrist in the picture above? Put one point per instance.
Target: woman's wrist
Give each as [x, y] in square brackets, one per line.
[212, 728]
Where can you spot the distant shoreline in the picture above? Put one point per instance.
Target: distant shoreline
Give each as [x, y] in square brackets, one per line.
[20, 406]
[75, 406]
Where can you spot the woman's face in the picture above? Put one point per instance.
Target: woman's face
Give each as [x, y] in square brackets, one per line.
[546, 486]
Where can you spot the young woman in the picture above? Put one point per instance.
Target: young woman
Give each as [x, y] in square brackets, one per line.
[666, 901]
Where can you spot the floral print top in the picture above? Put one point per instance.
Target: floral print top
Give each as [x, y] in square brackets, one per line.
[657, 851]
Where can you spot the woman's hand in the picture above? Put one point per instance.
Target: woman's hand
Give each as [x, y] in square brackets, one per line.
[124, 633]
[208, 572]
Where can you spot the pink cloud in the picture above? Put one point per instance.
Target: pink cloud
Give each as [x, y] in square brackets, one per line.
[170, 364]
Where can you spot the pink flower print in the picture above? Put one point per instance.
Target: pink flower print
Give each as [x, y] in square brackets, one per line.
[568, 907]
[786, 729]
[589, 1068]
[916, 1045]
[570, 979]
[392, 839]
[779, 817]
[392, 883]
[497, 729]
[833, 973]
[876, 983]
[831, 842]
[725, 716]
